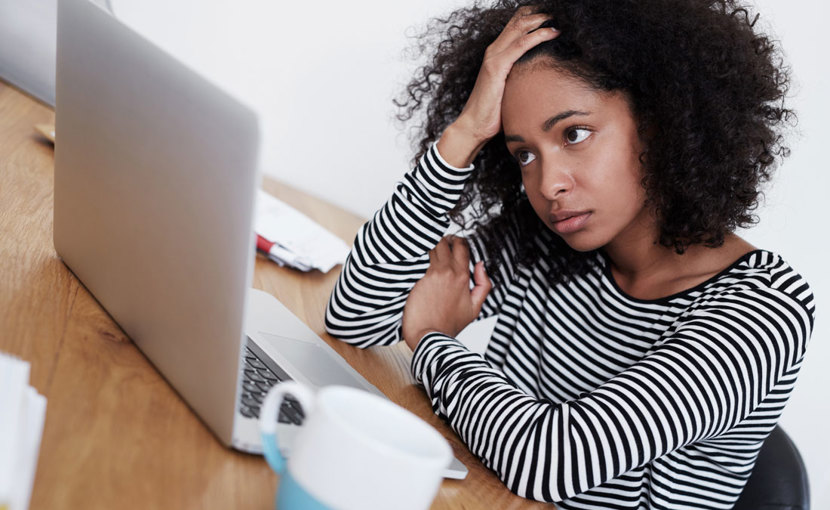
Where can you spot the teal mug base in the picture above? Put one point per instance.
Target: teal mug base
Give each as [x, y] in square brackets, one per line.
[292, 496]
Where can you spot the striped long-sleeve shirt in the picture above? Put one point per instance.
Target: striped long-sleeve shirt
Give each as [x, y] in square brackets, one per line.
[587, 396]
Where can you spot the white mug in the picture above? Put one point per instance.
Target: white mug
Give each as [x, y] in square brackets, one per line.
[355, 451]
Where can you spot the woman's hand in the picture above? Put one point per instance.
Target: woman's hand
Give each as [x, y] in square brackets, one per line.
[480, 119]
[442, 300]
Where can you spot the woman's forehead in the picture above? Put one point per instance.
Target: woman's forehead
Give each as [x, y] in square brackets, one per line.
[537, 89]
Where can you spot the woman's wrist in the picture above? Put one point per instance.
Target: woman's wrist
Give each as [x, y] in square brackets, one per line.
[413, 340]
[459, 146]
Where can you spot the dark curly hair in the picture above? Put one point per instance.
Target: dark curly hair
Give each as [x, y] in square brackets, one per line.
[707, 92]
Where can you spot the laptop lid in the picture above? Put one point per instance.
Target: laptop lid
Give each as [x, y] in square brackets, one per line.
[155, 175]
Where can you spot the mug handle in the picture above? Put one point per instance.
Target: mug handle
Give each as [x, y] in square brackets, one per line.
[268, 418]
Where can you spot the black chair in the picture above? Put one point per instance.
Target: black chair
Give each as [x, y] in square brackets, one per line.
[779, 480]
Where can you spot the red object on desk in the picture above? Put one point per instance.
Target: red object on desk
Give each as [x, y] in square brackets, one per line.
[263, 244]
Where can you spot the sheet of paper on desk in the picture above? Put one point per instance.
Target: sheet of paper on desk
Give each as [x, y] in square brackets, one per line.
[22, 413]
[302, 243]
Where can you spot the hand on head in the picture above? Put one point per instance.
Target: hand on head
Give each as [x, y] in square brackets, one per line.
[480, 119]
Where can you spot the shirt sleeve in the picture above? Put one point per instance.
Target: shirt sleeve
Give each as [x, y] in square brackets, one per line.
[391, 253]
[721, 362]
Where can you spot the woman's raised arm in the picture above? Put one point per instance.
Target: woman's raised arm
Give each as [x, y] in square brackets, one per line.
[390, 252]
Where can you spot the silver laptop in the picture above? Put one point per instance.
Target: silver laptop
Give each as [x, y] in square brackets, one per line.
[155, 180]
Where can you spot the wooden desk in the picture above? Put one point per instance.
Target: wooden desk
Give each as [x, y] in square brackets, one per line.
[116, 435]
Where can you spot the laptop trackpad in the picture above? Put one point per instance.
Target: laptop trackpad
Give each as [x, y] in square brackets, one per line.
[314, 362]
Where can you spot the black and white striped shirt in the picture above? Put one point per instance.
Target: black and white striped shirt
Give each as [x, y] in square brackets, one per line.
[587, 396]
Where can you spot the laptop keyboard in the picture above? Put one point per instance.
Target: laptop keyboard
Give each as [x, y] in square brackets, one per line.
[256, 381]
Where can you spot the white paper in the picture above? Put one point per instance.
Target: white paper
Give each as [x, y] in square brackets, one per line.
[22, 413]
[29, 449]
[14, 378]
[303, 243]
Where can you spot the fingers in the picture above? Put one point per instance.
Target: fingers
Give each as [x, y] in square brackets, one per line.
[441, 254]
[460, 254]
[482, 287]
[511, 44]
[442, 299]
[453, 252]
[522, 44]
[523, 22]
[525, 10]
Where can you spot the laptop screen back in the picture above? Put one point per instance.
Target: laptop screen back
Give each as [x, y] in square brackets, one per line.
[155, 174]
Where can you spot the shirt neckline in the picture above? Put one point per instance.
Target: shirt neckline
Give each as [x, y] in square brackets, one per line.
[606, 271]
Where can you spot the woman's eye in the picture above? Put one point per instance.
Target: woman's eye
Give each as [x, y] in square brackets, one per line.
[577, 135]
[524, 157]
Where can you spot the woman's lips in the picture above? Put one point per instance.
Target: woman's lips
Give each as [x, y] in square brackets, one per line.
[571, 223]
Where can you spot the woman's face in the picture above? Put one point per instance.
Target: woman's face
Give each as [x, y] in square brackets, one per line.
[578, 151]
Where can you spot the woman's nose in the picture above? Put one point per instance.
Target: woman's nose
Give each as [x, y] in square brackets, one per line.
[556, 180]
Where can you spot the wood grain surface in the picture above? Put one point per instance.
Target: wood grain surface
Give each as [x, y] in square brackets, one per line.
[117, 436]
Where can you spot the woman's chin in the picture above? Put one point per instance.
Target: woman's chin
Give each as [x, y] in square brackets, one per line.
[582, 242]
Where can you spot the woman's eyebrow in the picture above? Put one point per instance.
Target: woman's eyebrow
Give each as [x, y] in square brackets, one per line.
[548, 124]
[561, 116]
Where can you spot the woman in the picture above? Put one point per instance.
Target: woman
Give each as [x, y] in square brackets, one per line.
[643, 351]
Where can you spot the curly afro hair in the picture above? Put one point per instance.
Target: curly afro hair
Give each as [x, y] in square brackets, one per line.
[706, 89]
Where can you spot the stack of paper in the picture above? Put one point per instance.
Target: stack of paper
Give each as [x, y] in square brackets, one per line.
[22, 412]
[291, 238]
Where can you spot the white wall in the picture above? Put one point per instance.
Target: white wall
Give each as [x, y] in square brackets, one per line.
[323, 78]
[27, 46]
[795, 221]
